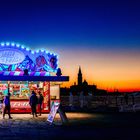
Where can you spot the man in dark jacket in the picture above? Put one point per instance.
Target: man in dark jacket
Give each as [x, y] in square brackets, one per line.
[33, 103]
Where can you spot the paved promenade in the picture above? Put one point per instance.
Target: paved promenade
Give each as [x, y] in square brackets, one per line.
[81, 126]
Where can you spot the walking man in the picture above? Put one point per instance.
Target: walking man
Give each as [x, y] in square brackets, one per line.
[7, 106]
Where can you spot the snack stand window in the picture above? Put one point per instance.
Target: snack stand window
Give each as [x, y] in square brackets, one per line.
[21, 92]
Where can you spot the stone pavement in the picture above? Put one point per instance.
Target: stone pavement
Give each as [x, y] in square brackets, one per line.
[24, 126]
[81, 126]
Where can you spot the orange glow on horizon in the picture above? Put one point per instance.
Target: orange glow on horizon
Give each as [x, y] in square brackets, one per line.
[123, 86]
[108, 69]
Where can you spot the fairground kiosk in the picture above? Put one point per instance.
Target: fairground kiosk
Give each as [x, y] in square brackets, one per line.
[23, 70]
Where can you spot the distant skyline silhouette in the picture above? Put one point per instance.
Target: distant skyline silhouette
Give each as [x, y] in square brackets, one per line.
[80, 80]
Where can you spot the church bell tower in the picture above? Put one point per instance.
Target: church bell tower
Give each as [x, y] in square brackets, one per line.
[79, 77]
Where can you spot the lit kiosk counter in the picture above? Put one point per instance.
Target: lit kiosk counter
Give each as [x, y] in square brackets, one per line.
[23, 70]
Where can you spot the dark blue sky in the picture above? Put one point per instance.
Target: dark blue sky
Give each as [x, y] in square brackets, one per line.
[101, 36]
[71, 22]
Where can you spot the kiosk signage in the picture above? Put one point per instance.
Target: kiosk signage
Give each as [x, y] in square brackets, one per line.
[54, 108]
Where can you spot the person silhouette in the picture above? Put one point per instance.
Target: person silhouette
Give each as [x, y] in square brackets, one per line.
[33, 102]
[40, 101]
[7, 106]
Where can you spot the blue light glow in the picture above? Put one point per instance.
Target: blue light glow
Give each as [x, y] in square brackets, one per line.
[32, 52]
[2, 44]
[12, 44]
[27, 49]
[22, 47]
[7, 43]
[42, 50]
[18, 45]
[37, 51]
[56, 57]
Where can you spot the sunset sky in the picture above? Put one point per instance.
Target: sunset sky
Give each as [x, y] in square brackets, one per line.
[102, 37]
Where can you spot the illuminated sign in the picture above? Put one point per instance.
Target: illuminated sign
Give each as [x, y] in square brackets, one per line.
[21, 104]
[16, 58]
[11, 56]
